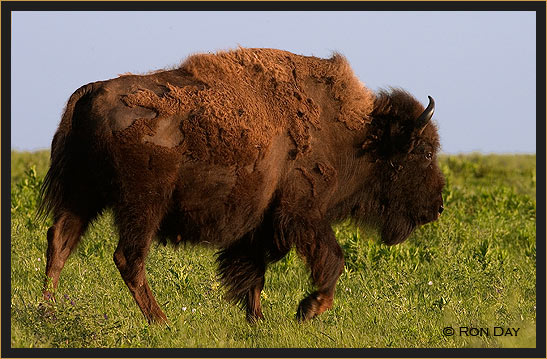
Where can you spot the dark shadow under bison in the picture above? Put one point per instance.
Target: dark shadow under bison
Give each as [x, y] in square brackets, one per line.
[253, 151]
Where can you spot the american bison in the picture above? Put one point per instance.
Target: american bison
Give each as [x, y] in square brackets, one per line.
[252, 151]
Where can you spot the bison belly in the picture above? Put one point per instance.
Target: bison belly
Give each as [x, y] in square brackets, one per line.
[219, 204]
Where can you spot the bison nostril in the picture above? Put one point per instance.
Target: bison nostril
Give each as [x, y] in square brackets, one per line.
[441, 209]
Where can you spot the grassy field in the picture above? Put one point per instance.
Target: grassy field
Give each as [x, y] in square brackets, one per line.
[475, 267]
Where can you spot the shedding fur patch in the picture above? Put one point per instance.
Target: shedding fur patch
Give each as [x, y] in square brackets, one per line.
[327, 171]
[249, 96]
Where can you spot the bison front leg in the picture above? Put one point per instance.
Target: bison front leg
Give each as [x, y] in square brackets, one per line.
[253, 308]
[242, 267]
[130, 255]
[326, 261]
[243, 264]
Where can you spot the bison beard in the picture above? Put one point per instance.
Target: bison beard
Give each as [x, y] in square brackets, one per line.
[396, 230]
[252, 151]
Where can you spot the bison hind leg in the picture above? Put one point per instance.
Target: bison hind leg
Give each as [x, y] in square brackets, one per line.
[137, 229]
[62, 238]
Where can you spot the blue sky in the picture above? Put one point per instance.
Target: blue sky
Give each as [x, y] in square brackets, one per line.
[479, 66]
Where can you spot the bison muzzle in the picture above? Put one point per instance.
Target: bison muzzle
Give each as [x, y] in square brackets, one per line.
[252, 151]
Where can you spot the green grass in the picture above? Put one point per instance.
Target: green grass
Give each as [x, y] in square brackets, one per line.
[474, 267]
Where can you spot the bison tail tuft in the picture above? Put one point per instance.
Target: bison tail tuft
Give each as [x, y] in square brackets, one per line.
[51, 192]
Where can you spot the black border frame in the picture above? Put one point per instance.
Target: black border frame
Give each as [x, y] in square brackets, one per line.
[272, 5]
[539, 7]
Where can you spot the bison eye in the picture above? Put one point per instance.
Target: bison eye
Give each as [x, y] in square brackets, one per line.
[428, 155]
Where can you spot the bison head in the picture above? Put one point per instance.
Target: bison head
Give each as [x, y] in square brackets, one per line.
[402, 145]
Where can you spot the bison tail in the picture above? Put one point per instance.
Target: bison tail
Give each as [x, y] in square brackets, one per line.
[54, 186]
[51, 197]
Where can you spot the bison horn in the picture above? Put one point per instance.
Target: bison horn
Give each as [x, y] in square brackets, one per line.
[424, 118]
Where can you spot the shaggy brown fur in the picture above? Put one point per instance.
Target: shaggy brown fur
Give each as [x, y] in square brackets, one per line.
[253, 151]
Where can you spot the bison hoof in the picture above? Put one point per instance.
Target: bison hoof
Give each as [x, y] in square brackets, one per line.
[305, 310]
[158, 321]
[48, 296]
[47, 310]
[312, 306]
[157, 317]
[254, 318]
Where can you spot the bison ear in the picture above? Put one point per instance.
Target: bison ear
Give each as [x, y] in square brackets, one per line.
[423, 120]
